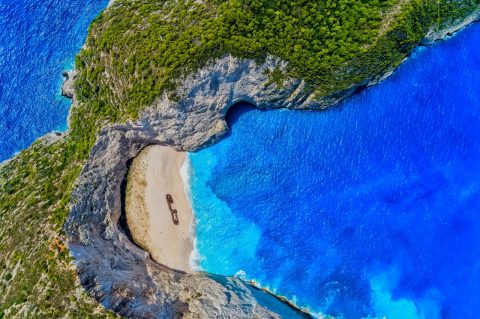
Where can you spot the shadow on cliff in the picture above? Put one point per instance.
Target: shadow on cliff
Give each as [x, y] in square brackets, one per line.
[236, 111]
[122, 221]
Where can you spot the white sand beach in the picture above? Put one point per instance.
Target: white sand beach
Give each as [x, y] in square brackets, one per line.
[153, 174]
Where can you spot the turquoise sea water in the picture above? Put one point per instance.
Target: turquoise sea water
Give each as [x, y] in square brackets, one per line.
[38, 41]
[369, 209]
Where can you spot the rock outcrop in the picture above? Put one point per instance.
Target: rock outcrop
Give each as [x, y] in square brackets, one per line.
[114, 270]
[68, 85]
[439, 35]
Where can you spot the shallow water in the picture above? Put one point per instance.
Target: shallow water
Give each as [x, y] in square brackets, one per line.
[369, 209]
[38, 41]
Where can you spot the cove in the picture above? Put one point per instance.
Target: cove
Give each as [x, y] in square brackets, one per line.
[366, 210]
[39, 40]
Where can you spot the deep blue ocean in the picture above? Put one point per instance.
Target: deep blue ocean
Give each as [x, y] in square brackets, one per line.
[368, 210]
[38, 41]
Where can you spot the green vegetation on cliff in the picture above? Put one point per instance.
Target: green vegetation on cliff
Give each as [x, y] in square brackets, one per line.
[135, 51]
[37, 278]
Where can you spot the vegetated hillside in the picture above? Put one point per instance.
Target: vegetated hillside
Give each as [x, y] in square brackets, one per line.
[37, 278]
[135, 51]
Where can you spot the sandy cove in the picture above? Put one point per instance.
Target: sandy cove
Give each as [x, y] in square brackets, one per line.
[154, 173]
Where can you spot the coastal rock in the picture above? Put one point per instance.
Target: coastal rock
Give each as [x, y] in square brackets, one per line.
[51, 138]
[124, 278]
[197, 117]
[439, 35]
[67, 86]
[115, 271]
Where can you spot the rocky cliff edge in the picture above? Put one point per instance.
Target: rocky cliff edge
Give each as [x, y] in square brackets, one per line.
[116, 272]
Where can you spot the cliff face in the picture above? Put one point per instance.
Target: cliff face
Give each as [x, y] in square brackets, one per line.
[439, 35]
[114, 270]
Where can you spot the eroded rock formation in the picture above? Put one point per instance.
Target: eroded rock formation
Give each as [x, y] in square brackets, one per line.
[114, 270]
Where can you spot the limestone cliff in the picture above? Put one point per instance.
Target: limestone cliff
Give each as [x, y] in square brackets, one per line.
[113, 269]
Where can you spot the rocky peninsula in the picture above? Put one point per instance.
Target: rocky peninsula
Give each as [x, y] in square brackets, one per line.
[95, 227]
[120, 109]
[196, 120]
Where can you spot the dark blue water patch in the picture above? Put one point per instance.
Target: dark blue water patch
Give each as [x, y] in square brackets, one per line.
[367, 210]
[38, 41]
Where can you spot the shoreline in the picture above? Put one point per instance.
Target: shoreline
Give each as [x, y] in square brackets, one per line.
[154, 174]
[194, 256]
[429, 39]
[66, 133]
[435, 36]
